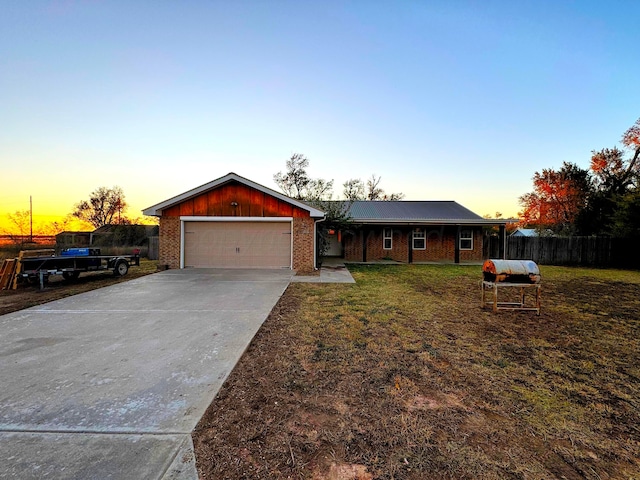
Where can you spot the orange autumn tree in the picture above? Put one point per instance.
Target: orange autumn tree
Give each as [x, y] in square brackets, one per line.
[614, 207]
[614, 173]
[604, 200]
[557, 199]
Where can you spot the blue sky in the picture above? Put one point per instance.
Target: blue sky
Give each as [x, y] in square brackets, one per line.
[449, 100]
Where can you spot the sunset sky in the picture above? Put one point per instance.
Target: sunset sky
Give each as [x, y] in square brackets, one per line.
[445, 100]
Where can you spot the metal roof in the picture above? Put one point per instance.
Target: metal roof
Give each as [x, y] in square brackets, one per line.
[156, 210]
[525, 232]
[416, 212]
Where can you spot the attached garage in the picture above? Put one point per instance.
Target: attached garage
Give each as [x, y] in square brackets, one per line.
[237, 244]
[233, 222]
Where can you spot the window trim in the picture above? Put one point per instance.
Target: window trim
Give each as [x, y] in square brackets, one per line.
[423, 237]
[386, 237]
[465, 238]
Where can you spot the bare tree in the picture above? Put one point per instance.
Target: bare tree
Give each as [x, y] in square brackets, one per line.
[374, 192]
[57, 226]
[20, 226]
[295, 180]
[296, 183]
[20, 222]
[105, 206]
[353, 189]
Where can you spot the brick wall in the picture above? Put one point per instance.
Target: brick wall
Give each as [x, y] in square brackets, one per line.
[169, 250]
[303, 242]
[440, 245]
[400, 246]
[476, 253]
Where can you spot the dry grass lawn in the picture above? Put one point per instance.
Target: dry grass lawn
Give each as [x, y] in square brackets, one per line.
[404, 376]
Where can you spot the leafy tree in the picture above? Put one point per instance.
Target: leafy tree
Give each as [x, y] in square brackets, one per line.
[106, 206]
[626, 219]
[557, 199]
[612, 174]
[601, 200]
[616, 179]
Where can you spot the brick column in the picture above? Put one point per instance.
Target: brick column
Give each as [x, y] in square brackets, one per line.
[303, 241]
[169, 250]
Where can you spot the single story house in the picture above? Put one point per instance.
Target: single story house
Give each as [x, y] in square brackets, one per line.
[108, 236]
[412, 231]
[232, 222]
[68, 239]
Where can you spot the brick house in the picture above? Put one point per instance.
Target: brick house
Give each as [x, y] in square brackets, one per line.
[412, 232]
[232, 222]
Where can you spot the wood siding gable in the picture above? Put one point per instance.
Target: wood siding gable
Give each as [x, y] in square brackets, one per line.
[235, 199]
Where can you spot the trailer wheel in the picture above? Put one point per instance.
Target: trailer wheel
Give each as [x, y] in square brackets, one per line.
[122, 267]
[70, 275]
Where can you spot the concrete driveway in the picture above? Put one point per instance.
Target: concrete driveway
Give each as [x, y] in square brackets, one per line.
[110, 383]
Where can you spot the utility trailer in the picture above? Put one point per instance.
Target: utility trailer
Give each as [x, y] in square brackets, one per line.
[72, 262]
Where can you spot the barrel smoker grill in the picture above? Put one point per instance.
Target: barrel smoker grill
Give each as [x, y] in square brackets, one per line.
[519, 275]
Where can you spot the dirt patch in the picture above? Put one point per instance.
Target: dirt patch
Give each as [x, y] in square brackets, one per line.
[404, 376]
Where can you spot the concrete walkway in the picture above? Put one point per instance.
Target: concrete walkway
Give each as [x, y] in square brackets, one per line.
[333, 271]
[110, 383]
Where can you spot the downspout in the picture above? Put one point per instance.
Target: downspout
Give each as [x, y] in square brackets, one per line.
[181, 244]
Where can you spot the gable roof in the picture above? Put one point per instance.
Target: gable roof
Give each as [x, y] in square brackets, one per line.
[416, 212]
[532, 232]
[525, 232]
[156, 210]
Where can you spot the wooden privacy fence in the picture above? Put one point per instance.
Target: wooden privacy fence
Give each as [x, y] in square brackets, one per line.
[154, 248]
[586, 251]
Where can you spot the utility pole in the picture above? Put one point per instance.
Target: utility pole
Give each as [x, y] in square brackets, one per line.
[30, 219]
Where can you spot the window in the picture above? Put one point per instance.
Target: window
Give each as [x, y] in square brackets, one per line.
[387, 238]
[419, 239]
[466, 240]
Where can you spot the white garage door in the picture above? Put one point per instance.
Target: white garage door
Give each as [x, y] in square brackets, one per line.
[237, 244]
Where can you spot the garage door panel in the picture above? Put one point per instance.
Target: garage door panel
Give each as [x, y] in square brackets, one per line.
[237, 244]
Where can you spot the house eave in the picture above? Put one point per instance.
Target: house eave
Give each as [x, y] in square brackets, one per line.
[417, 221]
